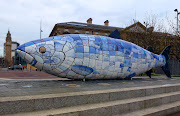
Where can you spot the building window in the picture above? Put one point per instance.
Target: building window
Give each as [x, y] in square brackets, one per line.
[96, 33]
[106, 34]
[66, 29]
[87, 32]
[76, 31]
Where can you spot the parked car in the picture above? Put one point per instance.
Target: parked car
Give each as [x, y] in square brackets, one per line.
[16, 67]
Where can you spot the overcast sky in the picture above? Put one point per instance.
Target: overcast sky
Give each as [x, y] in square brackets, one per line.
[22, 17]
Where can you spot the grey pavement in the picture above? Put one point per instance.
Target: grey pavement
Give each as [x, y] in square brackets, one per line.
[12, 87]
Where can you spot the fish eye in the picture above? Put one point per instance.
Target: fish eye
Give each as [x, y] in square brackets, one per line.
[42, 50]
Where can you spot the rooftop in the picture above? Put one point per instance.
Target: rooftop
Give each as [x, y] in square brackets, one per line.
[89, 25]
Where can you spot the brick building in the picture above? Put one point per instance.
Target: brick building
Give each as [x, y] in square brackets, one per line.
[136, 33]
[83, 28]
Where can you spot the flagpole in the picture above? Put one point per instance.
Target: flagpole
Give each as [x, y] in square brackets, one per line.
[40, 29]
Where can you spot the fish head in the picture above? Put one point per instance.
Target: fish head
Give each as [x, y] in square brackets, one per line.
[45, 54]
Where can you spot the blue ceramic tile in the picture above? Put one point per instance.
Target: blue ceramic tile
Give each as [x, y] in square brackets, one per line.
[104, 40]
[57, 37]
[143, 56]
[84, 37]
[111, 63]
[106, 58]
[47, 39]
[80, 49]
[91, 43]
[54, 66]
[127, 52]
[55, 60]
[79, 55]
[119, 53]
[112, 53]
[85, 42]
[33, 63]
[62, 67]
[129, 69]
[48, 61]
[21, 47]
[78, 43]
[105, 52]
[58, 46]
[47, 54]
[86, 55]
[70, 39]
[92, 50]
[97, 51]
[91, 38]
[105, 47]
[127, 62]
[135, 55]
[118, 43]
[92, 56]
[83, 70]
[76, 37]
[98, 41]
[121, 49]
[112, 47]
[131, 75]
[126, 56]
[133, 60]
[29, 44]
[121, 65]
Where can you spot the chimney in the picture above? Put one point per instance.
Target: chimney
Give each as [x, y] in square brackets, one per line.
[89, 20]
[150, 29]
[106, 23]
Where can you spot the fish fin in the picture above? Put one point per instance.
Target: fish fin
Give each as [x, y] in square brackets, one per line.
[149, 73]
[166, 68]
[149, 48]
[82, 70]
[115, 34]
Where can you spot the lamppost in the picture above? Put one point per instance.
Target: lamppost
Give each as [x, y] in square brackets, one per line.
[176, 10]
[40, 29]
[146, 32]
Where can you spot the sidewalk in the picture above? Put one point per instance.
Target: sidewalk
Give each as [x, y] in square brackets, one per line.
[6, 75]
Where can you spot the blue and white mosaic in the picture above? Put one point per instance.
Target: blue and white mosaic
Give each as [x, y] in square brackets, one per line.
[79, 56]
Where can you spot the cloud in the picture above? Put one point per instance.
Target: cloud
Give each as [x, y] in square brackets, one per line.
[23, 17]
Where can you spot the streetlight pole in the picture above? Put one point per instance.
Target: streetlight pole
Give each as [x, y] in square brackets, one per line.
[146, 32]
[176, 10]
[40, 29]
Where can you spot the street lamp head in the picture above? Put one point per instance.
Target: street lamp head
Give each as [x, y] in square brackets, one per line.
[175, 10]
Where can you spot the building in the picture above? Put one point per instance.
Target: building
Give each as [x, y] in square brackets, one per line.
[9, 49]
[83, 28]
[144, 37]
[1, 61]
[136, 33]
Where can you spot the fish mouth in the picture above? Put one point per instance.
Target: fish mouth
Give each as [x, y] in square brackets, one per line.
[25, 56]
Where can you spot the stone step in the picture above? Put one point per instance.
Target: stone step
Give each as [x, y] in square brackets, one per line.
[10, 105]
[110, 108]
[162, 110]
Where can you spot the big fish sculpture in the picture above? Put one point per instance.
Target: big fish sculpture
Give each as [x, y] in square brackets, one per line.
[79, 56]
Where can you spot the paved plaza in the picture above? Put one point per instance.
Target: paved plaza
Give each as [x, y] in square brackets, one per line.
[22, 83]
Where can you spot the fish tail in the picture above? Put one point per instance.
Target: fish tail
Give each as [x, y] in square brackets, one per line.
[166, 67]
